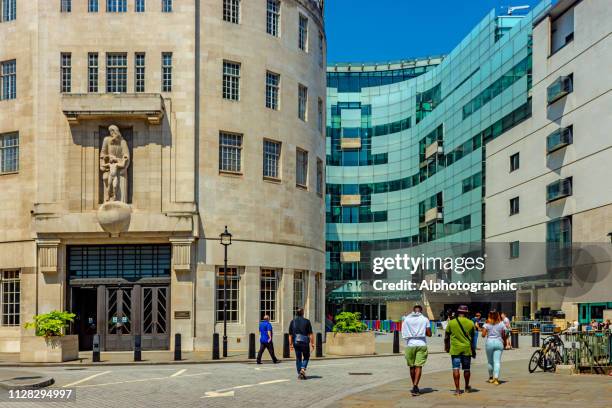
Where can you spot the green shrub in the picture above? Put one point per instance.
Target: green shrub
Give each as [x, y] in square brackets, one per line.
[51, 324]
[347, 322]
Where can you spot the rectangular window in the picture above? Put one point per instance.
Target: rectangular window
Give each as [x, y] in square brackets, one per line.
[9, 153]
[272, 90]
[320, 115]
[514, 249]
[167, 72]
[559, 243]
[267, 293]
[116, 6]
[301, 168]
[92, 72]
[562, 30]
[11, 294]
[319, 176]
[230, 152]
[559, 189]
[514, 205]
[271, 159]
[116, 72]
[166, 6]
[558, 89]
[66, 6]
[317, 297]
[140, 6]
[92, 6]
[321, 49]
[515, 162]
[66, 72]
[559, 139]
[273, 18]
[299, 288]
[139, 72]
[302, 102]
[231, 80]
[303, 33]
[8, 79]
[231, 11]
[9, 10]
[232, 293]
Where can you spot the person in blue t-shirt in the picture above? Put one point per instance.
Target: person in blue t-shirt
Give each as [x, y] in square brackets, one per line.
[265, 339]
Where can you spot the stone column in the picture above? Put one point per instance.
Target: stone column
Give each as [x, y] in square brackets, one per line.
[51, 277]
[286, 301]
[533, 303]
[205, 307]
[181, 292]
[250, 294]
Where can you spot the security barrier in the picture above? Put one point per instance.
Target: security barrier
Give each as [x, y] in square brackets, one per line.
[590, 351]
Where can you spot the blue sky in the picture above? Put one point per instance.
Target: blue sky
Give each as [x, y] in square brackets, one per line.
[382, 30]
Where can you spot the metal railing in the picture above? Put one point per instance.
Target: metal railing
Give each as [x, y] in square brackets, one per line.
[588, 351]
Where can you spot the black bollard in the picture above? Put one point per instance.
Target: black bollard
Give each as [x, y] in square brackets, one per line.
[286, 345]
[535, 337]
[251, 346]
[396, 348]
[96, 349]
[514, 338]
[215, 346]
[319, 348]
[137, 348]
[177, 347]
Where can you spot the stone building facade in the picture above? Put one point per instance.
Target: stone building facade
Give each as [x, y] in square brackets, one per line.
[222, 105]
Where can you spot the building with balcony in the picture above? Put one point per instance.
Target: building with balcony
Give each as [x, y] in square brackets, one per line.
[220, 105]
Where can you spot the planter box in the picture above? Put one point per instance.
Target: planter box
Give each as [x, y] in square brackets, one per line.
[38, 349]
[350, 344]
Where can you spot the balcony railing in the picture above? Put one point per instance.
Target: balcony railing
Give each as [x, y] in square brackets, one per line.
[558, 89]
[559, 139]
[559, 189]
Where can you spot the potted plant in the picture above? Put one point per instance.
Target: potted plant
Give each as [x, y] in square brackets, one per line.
[349, 337]
[49, 344]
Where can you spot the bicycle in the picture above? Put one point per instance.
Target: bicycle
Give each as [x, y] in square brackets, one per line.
[549, 355]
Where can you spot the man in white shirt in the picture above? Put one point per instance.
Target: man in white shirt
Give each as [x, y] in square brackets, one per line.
[415, 330]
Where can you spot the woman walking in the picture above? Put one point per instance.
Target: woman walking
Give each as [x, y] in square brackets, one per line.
[495, 332]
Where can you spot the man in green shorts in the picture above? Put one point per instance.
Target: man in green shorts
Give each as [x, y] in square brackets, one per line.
[415, 330]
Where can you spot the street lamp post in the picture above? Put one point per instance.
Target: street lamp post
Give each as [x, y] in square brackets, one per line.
[226, 240]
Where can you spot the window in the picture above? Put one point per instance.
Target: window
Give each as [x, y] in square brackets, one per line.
[66, 72]
[116, 6]
[514, 205]
[139, 73]
[272, 88]
[11, 293]
[271, 159]
[232, 292]
[267, 293]
[140, 6]
[9, 10]
[559, 189]
[9, 153]
[321, 51]
[8, 79]
[303, 33]
[320, 115]
[230, 152]
[514, 249]
[231, 11]
[562, 30]
[166, 6]
[92, 72]
[559, 243]
[301, 168]
[317, 298]
[319, 176]
[116, 72]
[558, 89]
[515, 162]
[92, 6]
[167, 72]
[299, 288]
[273, 17]
[559, 139]
[231, 80]
[302, 102]
[66, 6]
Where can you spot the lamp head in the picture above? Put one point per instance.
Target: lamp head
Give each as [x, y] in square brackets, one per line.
[226, 237]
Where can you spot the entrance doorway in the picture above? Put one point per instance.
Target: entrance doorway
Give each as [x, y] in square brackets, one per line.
[86, 319]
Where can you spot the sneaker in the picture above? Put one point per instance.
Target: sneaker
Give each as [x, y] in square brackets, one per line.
[495, 381]
[303, 374]
[457, 393]
[259, 362]
[415, 391]
[277, 361]
[490, 380]
[468, 389]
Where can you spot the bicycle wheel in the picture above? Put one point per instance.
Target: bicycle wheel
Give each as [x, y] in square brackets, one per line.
[549, 360]
[534, 362]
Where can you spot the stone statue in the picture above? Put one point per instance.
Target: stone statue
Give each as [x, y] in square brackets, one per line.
[114, 162]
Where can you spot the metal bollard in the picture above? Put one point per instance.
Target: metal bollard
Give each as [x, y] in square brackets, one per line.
[286, 345]
[396, 347]
[177, 347]
[535, 337]
[251, 346]
[96, 349]
[137, 348]
[319, 348]
[215, 346]
[514, 338]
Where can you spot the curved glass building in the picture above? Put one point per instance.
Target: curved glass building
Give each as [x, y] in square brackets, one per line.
[405, 155]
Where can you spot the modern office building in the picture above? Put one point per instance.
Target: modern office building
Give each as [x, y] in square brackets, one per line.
[405, 161]
[548, 187]
[218, 111]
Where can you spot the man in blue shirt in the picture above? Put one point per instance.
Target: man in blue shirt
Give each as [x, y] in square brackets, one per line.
[265, 340]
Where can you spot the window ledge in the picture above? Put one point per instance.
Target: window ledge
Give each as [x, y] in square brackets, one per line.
[230, 173]
[9, 173]
[272, 180]
[302, 187]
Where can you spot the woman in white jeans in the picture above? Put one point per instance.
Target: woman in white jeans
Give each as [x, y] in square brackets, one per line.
[495, 332]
